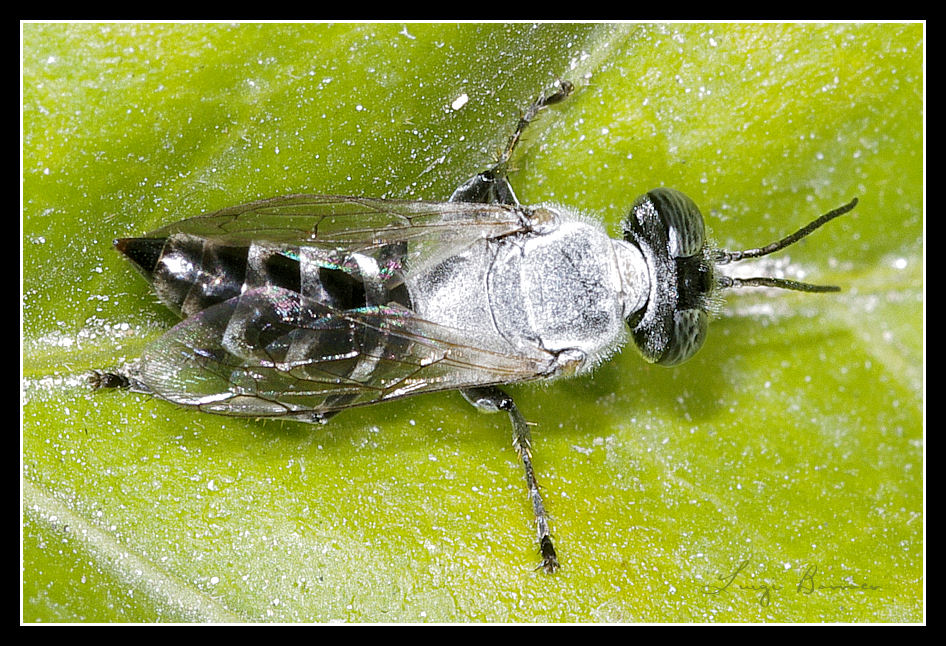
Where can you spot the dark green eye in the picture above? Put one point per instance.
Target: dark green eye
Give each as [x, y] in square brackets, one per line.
[667, 227]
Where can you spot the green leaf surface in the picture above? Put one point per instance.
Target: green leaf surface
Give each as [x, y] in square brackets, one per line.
[777, 476]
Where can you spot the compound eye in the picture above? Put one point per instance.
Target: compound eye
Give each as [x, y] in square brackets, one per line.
[688, 335]
[681, 216]
[667, 227]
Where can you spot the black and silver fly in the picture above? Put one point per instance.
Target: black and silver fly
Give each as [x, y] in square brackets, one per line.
[302, 306]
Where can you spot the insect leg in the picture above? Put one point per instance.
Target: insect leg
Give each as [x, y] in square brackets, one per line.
[492, 399]
[483, 188]
[102, 379]
[500, 167]
[492, 186]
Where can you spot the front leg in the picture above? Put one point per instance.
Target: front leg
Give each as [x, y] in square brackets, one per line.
[491, 399]
[486, 188]
[492, 186]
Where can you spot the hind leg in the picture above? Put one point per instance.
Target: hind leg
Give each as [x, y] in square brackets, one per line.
[491, 399]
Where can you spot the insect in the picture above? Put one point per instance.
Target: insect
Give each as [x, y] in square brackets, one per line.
[302, 306]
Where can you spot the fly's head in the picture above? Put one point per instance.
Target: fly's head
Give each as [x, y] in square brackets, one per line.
[667, 228]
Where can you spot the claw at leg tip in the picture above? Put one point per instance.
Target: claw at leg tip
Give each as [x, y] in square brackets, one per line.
[549, 558]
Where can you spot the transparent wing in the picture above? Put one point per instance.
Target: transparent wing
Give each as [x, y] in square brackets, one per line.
[272, 353]
[350, 222]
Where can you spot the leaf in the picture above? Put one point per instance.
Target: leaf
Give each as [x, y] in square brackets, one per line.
[785, 458]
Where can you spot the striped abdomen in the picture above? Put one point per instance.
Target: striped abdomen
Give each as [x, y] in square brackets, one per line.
[190, 273]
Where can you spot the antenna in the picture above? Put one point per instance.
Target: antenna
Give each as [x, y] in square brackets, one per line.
[724, 257]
